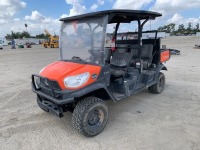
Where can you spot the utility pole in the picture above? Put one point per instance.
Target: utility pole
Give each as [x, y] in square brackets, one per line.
[26, 26]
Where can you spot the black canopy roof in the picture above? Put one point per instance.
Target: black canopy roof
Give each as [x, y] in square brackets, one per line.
[117, 15]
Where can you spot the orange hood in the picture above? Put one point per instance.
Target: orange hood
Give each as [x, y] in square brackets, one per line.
[60, 69]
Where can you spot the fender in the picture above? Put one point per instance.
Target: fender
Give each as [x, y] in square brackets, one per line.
[162, 67]
[92, 88]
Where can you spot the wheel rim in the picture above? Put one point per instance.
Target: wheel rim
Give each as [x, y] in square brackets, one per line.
[95, 118]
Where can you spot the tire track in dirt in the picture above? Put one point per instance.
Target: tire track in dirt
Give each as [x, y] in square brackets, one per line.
[6, 100]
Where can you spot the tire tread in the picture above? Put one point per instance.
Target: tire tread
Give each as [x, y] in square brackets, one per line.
[153, 88]
[80, 110]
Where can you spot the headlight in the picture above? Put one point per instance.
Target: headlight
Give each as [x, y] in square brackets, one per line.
[76, 81]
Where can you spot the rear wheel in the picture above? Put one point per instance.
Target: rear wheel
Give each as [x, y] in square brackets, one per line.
[159, 86]
[45, 45]
[90, 116]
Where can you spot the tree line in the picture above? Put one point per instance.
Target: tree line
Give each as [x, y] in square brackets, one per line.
[170, 28]
[181, 30]
[25, 34]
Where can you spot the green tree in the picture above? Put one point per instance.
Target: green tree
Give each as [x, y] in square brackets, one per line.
[25, 34]
[181, 29]
[197, 28]
[170, 28]
[42, 36]
[160, 29]
[189, 28]
[18, 35]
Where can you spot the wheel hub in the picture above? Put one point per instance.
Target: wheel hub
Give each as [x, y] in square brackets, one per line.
[95, 117]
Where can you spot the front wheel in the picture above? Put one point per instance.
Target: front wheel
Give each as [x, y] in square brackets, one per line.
[90, 116]
[159, 86]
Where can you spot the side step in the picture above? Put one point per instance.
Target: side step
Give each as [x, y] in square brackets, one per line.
[140, 87]
[118, 96]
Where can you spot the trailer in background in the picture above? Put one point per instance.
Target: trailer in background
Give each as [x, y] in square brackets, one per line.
[3, 40]
[151, 35]
[198, 34]
[32, 41]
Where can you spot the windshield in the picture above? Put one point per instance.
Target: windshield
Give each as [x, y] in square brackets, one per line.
[83, 40]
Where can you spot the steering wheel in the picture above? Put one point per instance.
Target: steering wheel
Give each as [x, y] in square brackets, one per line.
[96, 54]
[95, 50]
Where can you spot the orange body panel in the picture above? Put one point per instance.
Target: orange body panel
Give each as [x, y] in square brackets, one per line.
[164, 56]
[60, 70]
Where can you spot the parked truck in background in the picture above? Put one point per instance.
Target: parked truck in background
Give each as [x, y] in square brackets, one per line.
[52, 42]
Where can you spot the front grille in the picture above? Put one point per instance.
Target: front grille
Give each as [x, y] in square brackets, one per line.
[49, 87]
[55, 85]
[50, 84]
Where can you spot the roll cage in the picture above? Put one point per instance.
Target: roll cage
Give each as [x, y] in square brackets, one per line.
[120, 16]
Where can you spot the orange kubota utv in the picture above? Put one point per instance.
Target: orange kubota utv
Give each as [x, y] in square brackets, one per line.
[93, 69]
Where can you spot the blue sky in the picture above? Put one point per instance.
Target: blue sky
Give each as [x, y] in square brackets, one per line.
[45, 14]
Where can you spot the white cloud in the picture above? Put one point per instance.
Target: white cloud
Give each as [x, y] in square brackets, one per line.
[176, 18]
[36, 22]
[77, 8]
[94, 7]
[3, 21]
[36, 16]
[179, 19]
[173, 6]
[8, 8]
[194, 20]
[171, 11]
[130, 4]
[34, 28]
[63, 16]
[100, 2]
[17, 19]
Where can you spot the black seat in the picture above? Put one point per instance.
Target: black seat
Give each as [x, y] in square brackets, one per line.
[147, 55]
[119, 63]
[124, 56]
[122, 48]
[134, 51]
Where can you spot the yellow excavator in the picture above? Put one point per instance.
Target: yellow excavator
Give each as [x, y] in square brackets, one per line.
[52, 42]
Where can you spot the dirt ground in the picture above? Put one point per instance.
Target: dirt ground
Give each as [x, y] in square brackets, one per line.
[168, 121]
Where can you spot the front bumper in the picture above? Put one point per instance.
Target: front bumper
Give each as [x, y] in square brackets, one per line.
[62, 97]
[50, 107]
[52, 95]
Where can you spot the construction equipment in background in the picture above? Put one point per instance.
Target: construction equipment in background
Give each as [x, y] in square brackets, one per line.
[53, 41]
